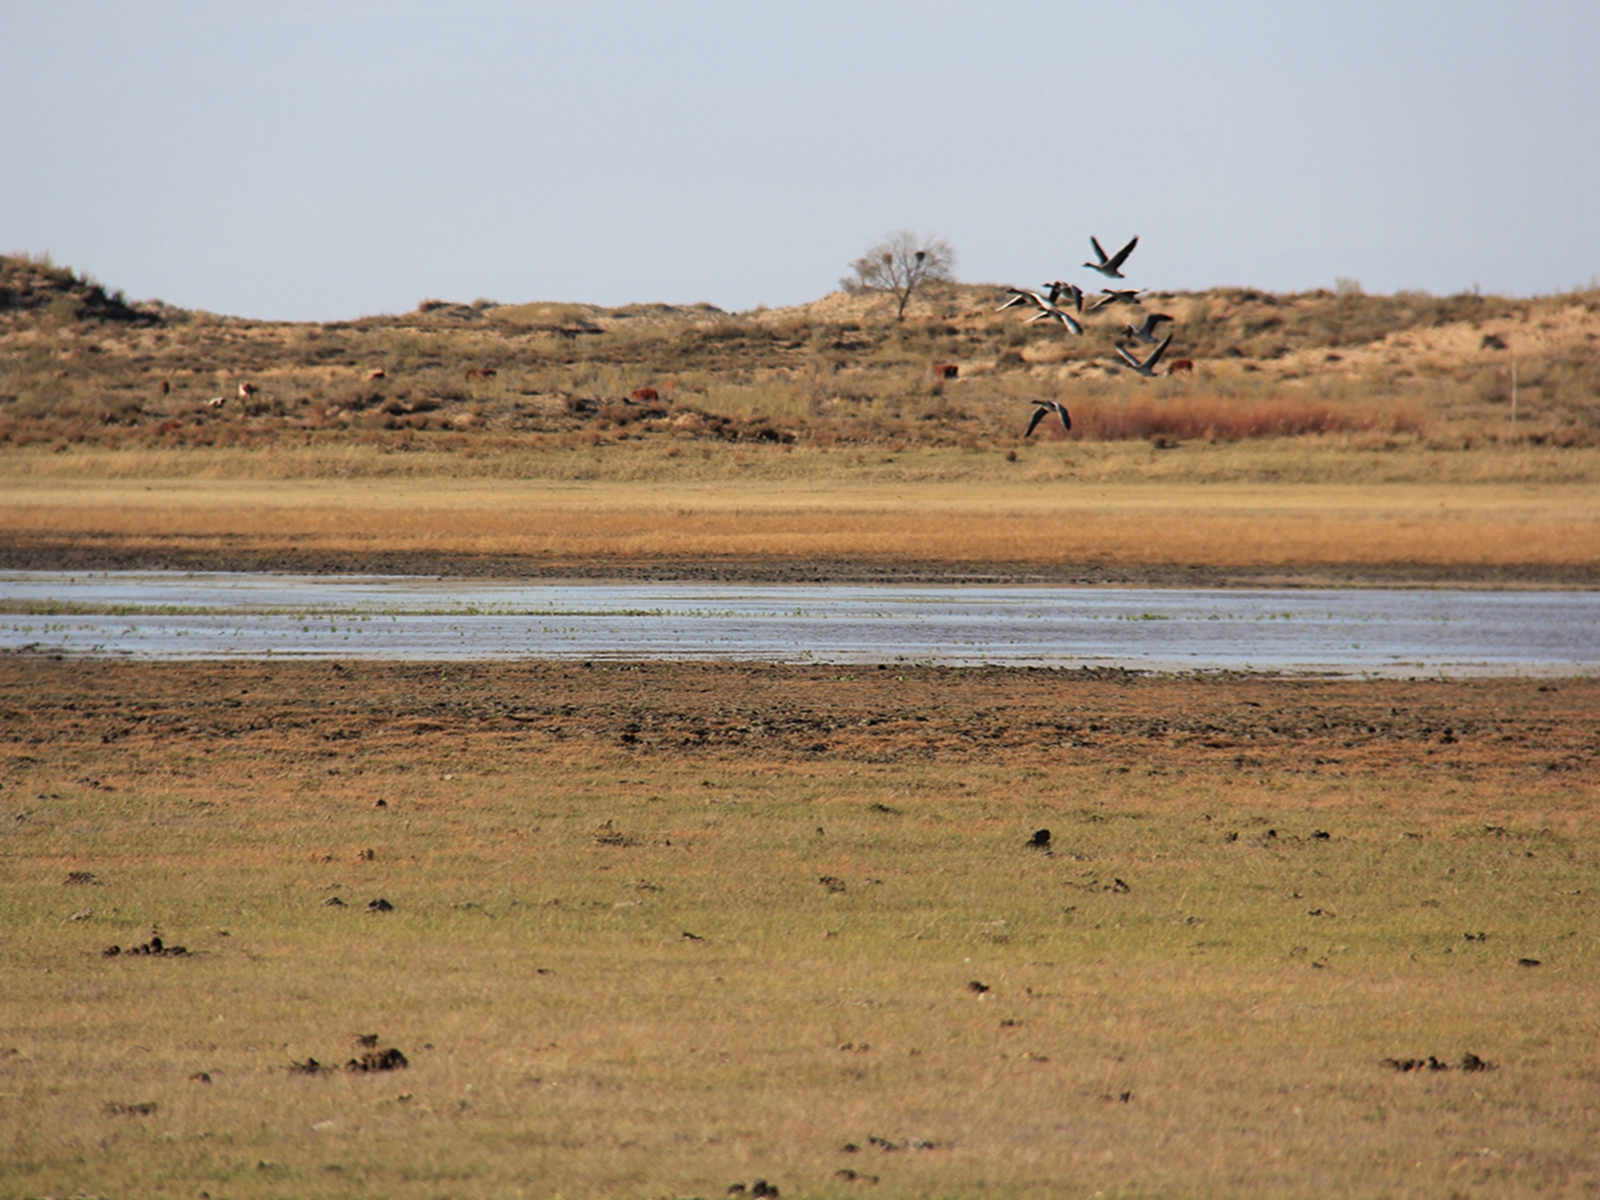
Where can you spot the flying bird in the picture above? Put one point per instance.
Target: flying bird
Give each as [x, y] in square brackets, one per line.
[1147, 368]
[1109, 266]
[1051, 313]
[1044, 407]
[1023, 296]
[1147, 332]
[1121, 295]
[1071, 291]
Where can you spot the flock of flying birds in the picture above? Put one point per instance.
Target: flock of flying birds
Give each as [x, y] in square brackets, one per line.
[1052, 306]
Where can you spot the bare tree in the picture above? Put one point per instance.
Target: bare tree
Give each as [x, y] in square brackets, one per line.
[900, 264]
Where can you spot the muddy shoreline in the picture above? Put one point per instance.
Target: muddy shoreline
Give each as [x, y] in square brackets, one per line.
[504, 716]
[800, 571]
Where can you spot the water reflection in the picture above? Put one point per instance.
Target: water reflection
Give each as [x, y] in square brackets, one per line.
[156, 615]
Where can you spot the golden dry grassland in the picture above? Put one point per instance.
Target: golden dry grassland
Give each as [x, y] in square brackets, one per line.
[655, 931]
[1049, 526]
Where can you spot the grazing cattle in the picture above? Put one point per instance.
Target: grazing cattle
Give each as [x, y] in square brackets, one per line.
[246, 390]
[216, 402]
[377, 373]
[166, 388]
[1181, 364]
[645, 395]
[480, 373]
[946, 370]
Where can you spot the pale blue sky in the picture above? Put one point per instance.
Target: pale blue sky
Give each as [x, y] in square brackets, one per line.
[329, 160]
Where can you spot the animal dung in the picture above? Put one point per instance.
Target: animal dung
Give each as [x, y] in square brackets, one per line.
[143, 1108]
[1469, 1062]
[391, 1059]
[154, 948]
[378, 1060]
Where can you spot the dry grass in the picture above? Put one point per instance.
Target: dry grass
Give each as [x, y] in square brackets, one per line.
[795, 515]
[654, 433]
[545, 378]
[1214, 1025]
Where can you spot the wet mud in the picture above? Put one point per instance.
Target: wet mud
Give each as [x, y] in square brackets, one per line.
[123, 719]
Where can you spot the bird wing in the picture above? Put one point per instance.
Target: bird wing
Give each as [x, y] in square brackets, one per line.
[1021, 297]
[1155, 355]
[1054, 313]
[1099, 252]
[1038, 415]
[1066, 417]
[1122, 255]
[1128, 358]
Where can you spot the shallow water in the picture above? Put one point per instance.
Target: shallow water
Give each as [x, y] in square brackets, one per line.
[173, 615]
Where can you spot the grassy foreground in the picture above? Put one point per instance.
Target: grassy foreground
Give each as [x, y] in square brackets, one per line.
[658, 930]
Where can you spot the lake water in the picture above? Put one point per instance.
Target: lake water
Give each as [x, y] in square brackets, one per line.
[1391, 632]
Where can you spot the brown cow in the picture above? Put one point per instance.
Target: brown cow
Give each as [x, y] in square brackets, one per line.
[480, 373]
[645, 395]
[246, 390]
[946, 370]
[1181, 364]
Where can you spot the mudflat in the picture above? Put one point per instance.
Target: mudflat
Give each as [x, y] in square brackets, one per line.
[660, 929]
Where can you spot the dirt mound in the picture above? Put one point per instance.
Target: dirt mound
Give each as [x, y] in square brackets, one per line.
[31, 284]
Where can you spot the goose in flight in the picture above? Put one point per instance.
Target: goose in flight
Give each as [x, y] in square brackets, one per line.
[1147, 368]
[1147, 332]
[1023, 296]
[1070, 290]
[1042, 408]
[1051, 313]
[1109, 266]
[1121, 295]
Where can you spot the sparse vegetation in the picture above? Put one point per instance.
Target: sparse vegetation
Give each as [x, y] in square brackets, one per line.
[82, 368]
[535, 378]
[653, 931]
